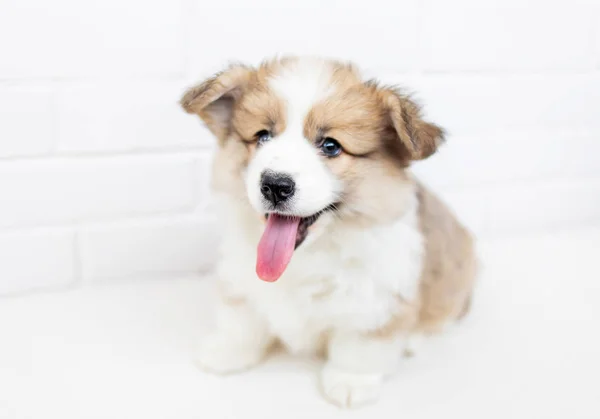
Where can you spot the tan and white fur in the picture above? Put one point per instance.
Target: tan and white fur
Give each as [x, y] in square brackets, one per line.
[388, 263]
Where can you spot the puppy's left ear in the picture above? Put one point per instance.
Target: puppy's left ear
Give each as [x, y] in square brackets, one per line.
[213, 99]
[420, 138]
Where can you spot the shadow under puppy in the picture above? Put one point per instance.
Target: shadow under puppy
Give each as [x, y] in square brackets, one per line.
[329, 243]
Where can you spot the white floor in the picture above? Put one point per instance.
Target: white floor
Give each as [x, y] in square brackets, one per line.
[529, 349]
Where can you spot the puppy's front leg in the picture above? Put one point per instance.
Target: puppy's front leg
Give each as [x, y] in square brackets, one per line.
[356, 367]
[239, 342]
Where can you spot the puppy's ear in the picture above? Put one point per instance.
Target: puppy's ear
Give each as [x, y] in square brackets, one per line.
[213, 99]
[419, 138]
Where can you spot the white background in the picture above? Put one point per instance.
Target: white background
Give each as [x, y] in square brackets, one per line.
[106, 225]
[103, 177]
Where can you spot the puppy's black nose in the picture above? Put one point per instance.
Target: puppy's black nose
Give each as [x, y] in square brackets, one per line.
[277, 187]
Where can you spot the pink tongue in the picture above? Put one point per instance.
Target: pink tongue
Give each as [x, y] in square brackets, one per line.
[276, 246]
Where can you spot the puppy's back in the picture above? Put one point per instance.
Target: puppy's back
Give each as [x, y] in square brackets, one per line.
[449, 267]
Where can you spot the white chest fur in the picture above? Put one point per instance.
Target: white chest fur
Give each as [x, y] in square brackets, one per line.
[340, 278]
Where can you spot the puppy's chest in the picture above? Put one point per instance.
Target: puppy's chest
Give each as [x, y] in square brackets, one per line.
[300, 309]
[351, 280]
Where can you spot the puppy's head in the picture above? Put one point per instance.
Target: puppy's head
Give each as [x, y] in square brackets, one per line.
[305, 141]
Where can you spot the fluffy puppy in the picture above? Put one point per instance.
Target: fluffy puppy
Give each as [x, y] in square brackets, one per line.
[329, 243]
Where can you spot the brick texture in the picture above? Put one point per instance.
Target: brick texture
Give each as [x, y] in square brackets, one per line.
[148, 249]
[145, 116]
[75, 190]
[73, 39]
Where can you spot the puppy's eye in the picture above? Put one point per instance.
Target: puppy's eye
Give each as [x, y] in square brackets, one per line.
[330, 147]
[263, 136]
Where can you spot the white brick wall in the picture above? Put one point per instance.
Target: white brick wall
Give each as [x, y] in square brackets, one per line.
[130, 116]
[513, 35]
[70, 39]
[62, 190]
[18, 107]
[103, 177]
[147, 248]
[38, 259]
[338, 28]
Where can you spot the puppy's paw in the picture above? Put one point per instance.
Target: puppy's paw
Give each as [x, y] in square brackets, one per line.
[347, 389]
[217, 355]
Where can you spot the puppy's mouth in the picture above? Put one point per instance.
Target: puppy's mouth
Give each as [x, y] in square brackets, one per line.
[283, 234]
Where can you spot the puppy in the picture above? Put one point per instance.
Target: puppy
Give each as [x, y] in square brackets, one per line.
[329, 244]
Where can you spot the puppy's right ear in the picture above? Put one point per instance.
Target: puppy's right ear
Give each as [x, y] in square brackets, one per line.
[213, 99]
